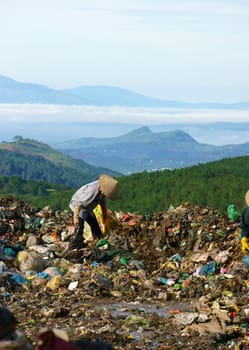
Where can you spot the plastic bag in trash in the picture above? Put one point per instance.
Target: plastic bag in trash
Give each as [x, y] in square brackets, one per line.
[30, 261]
[245, 260]
[207, 269]
[232, 212]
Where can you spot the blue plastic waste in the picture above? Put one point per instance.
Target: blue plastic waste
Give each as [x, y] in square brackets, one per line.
[163, 280]
[19, 279]
[43, 274]
[7, 295]
[207, 269]
[9, 252]
[176, 257]
[245, 260]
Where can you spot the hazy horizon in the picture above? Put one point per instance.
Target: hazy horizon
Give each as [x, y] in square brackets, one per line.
[48, 123]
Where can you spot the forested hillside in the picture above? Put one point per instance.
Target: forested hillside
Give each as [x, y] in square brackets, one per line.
[39, 193]
[216, 184]
[32, 160]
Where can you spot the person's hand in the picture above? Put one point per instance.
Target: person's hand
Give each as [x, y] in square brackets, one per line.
[244, 245]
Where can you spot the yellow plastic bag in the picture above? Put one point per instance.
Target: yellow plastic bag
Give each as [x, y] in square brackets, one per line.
[102, 225]
[105, 225]
[98, 212]
[55, 282]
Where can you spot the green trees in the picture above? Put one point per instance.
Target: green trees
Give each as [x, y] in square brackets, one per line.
[38, 193]
[216, 184]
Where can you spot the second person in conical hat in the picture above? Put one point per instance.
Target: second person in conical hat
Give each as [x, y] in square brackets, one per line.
[244, 225]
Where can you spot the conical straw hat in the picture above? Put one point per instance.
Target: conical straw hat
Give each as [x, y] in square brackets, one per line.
[109, 186]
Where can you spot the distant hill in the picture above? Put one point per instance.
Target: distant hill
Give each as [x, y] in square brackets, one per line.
[32, 160]
[109, 96]
[12, 91]
[142, 150]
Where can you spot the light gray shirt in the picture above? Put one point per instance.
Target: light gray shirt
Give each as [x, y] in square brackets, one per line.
[86, 197]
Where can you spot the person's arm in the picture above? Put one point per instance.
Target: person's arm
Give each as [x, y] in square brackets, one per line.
[76, 211]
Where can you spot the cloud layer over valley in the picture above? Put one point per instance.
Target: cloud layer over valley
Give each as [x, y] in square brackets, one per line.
[54, 123]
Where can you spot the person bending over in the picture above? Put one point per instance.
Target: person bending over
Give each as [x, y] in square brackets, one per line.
[84, 200]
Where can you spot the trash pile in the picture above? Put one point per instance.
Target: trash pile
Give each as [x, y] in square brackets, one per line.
[168, 280]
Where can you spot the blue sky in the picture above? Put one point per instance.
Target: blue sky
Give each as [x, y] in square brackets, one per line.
[188, 50]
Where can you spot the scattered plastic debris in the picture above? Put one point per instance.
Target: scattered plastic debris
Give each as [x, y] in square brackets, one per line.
[187, 259]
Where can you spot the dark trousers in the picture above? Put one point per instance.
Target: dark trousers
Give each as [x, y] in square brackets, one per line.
[90, 218]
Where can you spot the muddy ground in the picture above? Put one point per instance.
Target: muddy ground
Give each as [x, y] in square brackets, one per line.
[170, 280]
[133, 325]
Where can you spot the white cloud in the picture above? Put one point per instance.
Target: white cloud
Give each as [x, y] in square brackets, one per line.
[40, 113]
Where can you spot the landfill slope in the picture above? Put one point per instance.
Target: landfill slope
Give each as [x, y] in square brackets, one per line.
[171, 280]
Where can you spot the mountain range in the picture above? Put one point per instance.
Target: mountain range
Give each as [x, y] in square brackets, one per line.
[77, 162]
[144, 150]
[80, 160]
[15, 92]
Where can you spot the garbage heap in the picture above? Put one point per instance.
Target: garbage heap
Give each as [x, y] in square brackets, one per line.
[189, 254]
